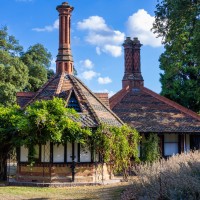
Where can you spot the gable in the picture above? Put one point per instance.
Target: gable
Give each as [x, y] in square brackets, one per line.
[73, 102]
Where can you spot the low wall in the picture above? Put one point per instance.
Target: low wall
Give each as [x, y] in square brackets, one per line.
[49, 173]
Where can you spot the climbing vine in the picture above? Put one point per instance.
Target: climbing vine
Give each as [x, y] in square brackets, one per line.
[51, 121]
[118, 146]
[150, 148]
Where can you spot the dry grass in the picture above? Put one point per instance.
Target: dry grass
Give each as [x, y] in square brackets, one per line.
[175, 178]
[107, 192]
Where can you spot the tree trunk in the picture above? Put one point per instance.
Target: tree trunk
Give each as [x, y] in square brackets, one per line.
[3, 167]
[4, 152]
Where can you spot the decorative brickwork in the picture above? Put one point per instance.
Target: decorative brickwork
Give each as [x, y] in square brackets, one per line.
[132, 73]
[64, 62]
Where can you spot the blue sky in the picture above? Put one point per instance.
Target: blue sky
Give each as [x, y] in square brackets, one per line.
[99, 28]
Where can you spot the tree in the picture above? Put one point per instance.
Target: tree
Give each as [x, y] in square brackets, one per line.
[8, 43]
[178, 23]
[13, 72]
[10, 117]
[21, 71]
[38, 60]
[13, 77]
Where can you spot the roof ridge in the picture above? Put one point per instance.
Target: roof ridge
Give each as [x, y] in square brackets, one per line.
[58, 90]
[118, 97]
[26, 94]
[107, 108]
[69, 95]
[172, 103]
[40, 90]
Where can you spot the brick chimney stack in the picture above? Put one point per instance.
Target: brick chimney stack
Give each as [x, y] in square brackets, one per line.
[132, 73]
[128, 62]
[64, 62]
[138, 79]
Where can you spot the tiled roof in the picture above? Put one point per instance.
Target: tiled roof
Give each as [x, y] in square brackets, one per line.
[24, 97]
[94, 112]
[103, 97]
[149, 112]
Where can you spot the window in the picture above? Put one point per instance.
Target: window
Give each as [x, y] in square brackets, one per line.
[69, 152]
[73, 103]
[23, 154]
[25, 151]
[195, 142]
[85, 153]
[170, 144]
[58, 153]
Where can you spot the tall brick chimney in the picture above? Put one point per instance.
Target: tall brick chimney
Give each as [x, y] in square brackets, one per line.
[132, 72]
[64, 62]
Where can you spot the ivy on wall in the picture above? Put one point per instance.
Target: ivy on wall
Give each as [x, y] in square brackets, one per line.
[150, 151]
[117, 146]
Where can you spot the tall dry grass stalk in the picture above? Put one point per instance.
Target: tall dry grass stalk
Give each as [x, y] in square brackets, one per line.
[178, 177]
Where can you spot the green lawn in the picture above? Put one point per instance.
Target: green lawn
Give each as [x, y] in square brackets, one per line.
[107, 192]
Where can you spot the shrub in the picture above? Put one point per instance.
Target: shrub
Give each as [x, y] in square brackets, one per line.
[175, 178]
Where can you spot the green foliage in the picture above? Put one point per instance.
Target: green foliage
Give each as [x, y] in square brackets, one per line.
[116, 145]
[9, 134]
[150, 148]
[8, 43]
[178, 23]
[51, 121]
[38, 60]
[13, 77]
[21, 71]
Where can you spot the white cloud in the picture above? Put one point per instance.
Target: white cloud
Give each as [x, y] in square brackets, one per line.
[94, 23]
[104, 80]
[48, 28]
[88, 75]
[108, 37]
[139, 25]
[105, 39]
[110, 93]
[113, 50]
[87, 63]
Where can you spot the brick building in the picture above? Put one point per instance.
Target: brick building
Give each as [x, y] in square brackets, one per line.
[141, 108]
[54, 162]
[148, 112]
